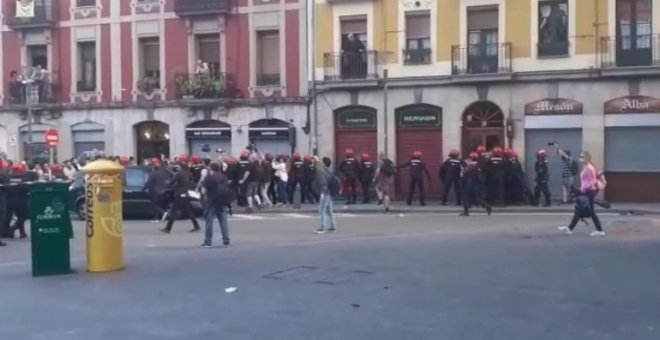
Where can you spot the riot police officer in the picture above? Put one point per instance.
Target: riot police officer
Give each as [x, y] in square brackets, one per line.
[349, 168]
[4, 187]
[309, 169]
[417, 169]
[450, 175]
[542, 178]
[18, 197]
[242, 169]
[495, 176]
[296, 177]
[471, 181]
[367, 171]
[513, 178]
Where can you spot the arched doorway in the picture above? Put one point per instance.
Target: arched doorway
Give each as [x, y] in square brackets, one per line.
[88, 137]
[206, 137]
[272, 136]
[483, 124]
[355, 128]
[153, 140]
[36, 149]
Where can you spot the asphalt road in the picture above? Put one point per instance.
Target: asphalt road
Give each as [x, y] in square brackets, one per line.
[421, 276]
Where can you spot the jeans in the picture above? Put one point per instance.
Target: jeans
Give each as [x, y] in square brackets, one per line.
[326, 212]
[210, 214]
[282, 192]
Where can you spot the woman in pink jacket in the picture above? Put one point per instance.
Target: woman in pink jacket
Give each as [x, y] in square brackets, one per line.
[591, 183]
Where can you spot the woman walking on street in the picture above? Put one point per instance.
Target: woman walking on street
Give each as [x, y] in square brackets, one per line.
[591, 183]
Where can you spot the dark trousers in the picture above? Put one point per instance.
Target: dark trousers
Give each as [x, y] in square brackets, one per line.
[419, 184]
[272, 194]
[351, 197]
[594, 217]
[295, 182]
[497, 190]
[541, 187]
[513, 191]
[472, 195]
[20, 209]
[181, 204]
[4, 225]
[366, 185]
[452, 182]
[241, 197]
[158, 205]
[312, 196]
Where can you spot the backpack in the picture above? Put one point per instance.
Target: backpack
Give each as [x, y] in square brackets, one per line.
[388, 168]
[575, 168]
[333, 184]
[583, 207]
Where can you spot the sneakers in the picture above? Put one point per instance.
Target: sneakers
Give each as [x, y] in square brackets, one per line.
[194, 230]
[597, 233]
[206, 245]
[164, 231]
[319, 231]
[566, 230]
[332, 230]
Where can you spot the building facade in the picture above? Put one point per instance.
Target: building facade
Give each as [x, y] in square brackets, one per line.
[433, 75]
[153, 77]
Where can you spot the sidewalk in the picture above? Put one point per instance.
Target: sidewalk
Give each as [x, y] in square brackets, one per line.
[435, 207]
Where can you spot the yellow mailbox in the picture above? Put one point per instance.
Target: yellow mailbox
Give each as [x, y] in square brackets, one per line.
[103, 201]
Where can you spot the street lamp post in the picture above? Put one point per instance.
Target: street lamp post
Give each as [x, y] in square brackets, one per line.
[28, 78]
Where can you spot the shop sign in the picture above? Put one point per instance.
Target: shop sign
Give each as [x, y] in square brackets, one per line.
[553, 106]
[421, 116]
[356, 118]
[266, 133]
[633, 104]
[208, 133]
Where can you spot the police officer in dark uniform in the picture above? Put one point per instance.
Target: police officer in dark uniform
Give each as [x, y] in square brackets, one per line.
[242, 168]
[296, 177]
[181, 203]
[156, 187]
[4, 187]
[18, 197]
[471, 181]
[513, 178]
[367, 172]
[450, 175]
[232, 174]
[495, 175]
[417, 169]
[349, 168]
[309, 169]
[542, 178]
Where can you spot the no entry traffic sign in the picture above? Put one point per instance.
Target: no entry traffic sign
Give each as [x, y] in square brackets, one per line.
[52, 137]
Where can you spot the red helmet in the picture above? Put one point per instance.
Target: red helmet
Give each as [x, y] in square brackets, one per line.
[508, 152]
[3, 164]
[123, 160]
[56, 169]
[541, 152]
[365, 157]
[245, 154]
[454, 153]
[183, 158]
[231, 160]
[195, 159]
[480, 149]
[349, 152]
[18, 168]
[497, 151]
[296, 156]
[308, 158]
[154, 160]
[474, 156]
[417, 154]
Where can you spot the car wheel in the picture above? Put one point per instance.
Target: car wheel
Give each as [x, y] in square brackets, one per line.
[81, 208]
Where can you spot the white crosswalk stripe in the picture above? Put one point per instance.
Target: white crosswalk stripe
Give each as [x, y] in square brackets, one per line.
[296, 215]
[248, 217]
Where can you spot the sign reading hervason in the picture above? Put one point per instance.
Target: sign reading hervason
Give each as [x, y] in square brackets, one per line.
[419, 116]
[553, 106]
[633, 104]
[357, 117]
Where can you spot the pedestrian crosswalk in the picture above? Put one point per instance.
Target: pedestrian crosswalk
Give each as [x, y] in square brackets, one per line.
[276, 216]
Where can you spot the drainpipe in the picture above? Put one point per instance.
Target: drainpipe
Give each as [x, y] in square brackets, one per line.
[314, 145]
[596, 33]
[385, 115]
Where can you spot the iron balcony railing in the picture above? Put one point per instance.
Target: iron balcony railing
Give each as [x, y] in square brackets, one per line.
[201, 7]
[44, 90]
[418, 56]
[44, 15]
[481, 58]
[350, 65]
[640, 50]
[203, 86]
[552, 49]
[268, 80]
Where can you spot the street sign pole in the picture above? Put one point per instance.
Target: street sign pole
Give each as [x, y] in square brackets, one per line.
[52, 155]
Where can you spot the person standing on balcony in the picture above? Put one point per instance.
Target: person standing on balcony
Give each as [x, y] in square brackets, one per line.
[354, 65]
[202, 70]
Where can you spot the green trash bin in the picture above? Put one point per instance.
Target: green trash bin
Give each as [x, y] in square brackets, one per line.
[50, 229]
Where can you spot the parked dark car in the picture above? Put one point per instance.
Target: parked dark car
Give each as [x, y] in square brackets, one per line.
[136, 201]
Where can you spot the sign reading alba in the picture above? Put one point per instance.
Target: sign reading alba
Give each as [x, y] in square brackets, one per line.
[554, 106]
[420, 116]
[633, 104]
[357, 117]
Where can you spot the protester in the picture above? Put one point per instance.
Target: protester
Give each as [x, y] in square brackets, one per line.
[181, 200]
[329, 186]
[219, 197]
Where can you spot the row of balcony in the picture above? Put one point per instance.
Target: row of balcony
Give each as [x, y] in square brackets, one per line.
[642, 50]
[46, 11]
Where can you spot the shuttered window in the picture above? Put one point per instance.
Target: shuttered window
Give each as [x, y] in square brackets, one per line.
[150, 50]
[268, 52]
[418, 26]
[632, 149]
[483, 18]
